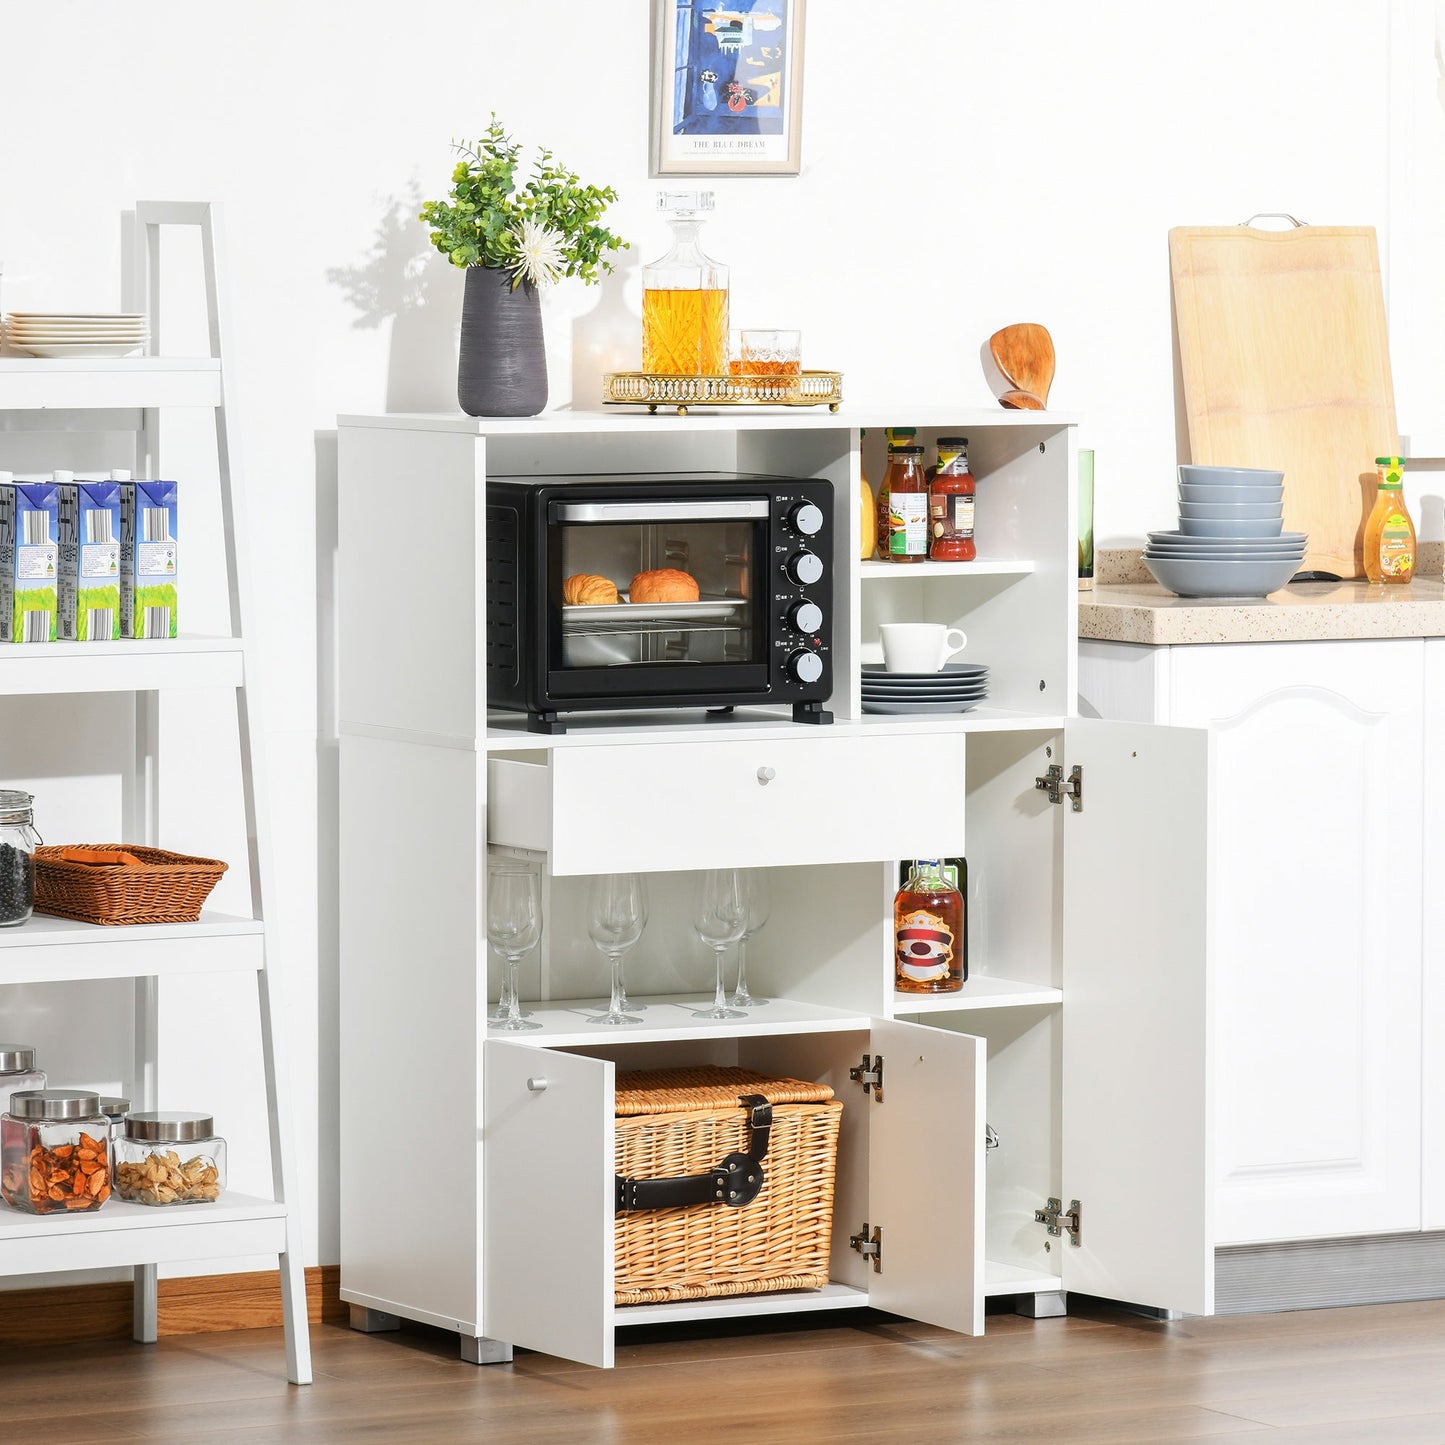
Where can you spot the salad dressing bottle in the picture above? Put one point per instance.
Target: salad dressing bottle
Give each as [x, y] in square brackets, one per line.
[1389, 533]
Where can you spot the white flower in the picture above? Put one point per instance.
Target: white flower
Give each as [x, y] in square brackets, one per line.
[540, 254]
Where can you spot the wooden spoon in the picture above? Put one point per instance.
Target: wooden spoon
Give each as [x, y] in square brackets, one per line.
[1024, 354]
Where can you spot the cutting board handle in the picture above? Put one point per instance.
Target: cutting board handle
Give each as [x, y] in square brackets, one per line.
[1273, 216]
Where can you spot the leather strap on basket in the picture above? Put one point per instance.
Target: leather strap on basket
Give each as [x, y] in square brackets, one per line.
[736, 1181]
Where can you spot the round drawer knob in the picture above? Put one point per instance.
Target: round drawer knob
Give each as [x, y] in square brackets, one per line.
[537, 1085]
[766, 775]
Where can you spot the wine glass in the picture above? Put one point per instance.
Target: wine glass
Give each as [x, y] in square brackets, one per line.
[616, 916]
[719, 918]
[503, 1006]
[514, 928]
[760, 904]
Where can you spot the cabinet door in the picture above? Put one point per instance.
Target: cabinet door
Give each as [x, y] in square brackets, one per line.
[923, 1150]
[1317, 774]
[1136, 1023]
[1432, 1092]
[925, 1176]
[547, 1201]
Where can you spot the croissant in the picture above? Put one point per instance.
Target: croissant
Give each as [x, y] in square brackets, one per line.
[586, 589]
[663, 584]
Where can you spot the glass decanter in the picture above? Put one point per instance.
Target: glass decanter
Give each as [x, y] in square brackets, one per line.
[685, 297]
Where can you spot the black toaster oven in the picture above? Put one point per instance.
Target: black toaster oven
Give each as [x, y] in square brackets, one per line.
[686, 590]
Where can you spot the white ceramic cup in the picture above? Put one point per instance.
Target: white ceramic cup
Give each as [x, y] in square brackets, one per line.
[919, 646]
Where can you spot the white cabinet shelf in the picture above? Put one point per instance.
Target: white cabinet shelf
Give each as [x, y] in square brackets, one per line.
[979, 567]
[130, 1234]
[39, 668]
[979, 991]
[1002, 1279]
[51, 950]
[108, 383]
[830, 1297]
[506, 733]
[669, 1017]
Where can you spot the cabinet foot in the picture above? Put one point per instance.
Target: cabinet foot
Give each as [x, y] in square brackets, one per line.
[1050, 1306]
[373, 1322]
[479, 1350]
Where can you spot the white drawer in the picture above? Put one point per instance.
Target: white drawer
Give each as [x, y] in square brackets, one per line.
[724, 804]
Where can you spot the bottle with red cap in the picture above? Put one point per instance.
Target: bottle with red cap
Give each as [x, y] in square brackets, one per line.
[928, 932]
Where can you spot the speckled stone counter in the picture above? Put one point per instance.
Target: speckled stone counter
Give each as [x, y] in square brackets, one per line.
[1143, 612]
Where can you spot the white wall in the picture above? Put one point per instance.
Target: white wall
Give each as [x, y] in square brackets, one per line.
[964, 167]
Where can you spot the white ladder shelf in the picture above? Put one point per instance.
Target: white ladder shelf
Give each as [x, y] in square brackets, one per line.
[131, 393]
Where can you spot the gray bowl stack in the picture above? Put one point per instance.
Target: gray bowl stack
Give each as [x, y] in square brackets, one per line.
[1231, 540]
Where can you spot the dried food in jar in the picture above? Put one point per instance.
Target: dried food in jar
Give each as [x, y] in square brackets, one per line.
[161, 1178]
[49, 1178]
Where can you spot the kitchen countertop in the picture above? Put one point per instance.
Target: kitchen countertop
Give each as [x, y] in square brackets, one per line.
[1138, 611]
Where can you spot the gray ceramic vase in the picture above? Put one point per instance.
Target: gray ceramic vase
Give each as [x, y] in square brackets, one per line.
[502, 365]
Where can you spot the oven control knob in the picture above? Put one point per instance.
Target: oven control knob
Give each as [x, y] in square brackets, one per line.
[805, 617]
[804, 567]
[805, 666]
[806, 519]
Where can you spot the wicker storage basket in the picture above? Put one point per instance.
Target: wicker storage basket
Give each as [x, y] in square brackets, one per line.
[676, 1123]
[167, 888]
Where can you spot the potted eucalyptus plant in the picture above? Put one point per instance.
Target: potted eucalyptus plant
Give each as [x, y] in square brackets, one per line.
[513, 243]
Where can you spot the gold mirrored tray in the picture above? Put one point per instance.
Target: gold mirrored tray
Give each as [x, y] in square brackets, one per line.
[641, 388]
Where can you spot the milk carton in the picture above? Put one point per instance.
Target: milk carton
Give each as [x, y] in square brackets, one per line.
[148, 559]
[89, 591]
[29, 560]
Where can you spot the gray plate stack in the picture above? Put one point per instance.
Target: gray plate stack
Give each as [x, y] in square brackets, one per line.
[1231, 540]
[958, 687]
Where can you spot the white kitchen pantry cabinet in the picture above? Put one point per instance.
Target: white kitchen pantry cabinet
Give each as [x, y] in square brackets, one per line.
[477, 1167]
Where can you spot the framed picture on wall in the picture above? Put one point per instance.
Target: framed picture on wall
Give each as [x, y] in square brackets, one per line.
[727, 87]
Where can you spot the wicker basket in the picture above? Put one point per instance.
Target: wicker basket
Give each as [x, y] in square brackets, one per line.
[167, 888]
[683, 1122]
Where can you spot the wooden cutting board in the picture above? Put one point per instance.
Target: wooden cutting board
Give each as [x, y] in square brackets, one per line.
[1285, 364]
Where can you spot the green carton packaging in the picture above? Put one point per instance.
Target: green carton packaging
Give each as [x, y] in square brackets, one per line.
[29, 560]
[149, 560]
[89, 591]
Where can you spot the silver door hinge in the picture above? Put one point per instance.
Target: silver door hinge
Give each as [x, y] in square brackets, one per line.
[870, 1074]
[870, 1246]
[1058, 1220]
[1058, 787]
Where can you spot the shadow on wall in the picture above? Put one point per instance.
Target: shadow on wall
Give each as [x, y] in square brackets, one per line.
[405, 278]
[606, 338]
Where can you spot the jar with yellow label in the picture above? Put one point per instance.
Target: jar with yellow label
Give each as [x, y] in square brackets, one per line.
[1389, 532]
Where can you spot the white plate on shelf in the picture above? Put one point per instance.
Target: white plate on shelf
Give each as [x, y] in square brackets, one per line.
[79, 315]
[926, 705]
[58, 351]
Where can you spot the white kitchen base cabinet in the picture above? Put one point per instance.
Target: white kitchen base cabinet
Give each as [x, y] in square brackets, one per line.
[1314, 929]
[1081, 1037]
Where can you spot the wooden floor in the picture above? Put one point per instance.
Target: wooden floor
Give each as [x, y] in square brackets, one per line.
[1374, 1374]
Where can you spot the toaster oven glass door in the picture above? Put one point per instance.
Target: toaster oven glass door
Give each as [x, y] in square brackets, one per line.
[690, 613]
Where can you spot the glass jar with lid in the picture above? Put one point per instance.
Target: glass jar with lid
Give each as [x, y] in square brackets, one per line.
[18, 1074]
[18, 840]
[54, 1152]
[170, 1157]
